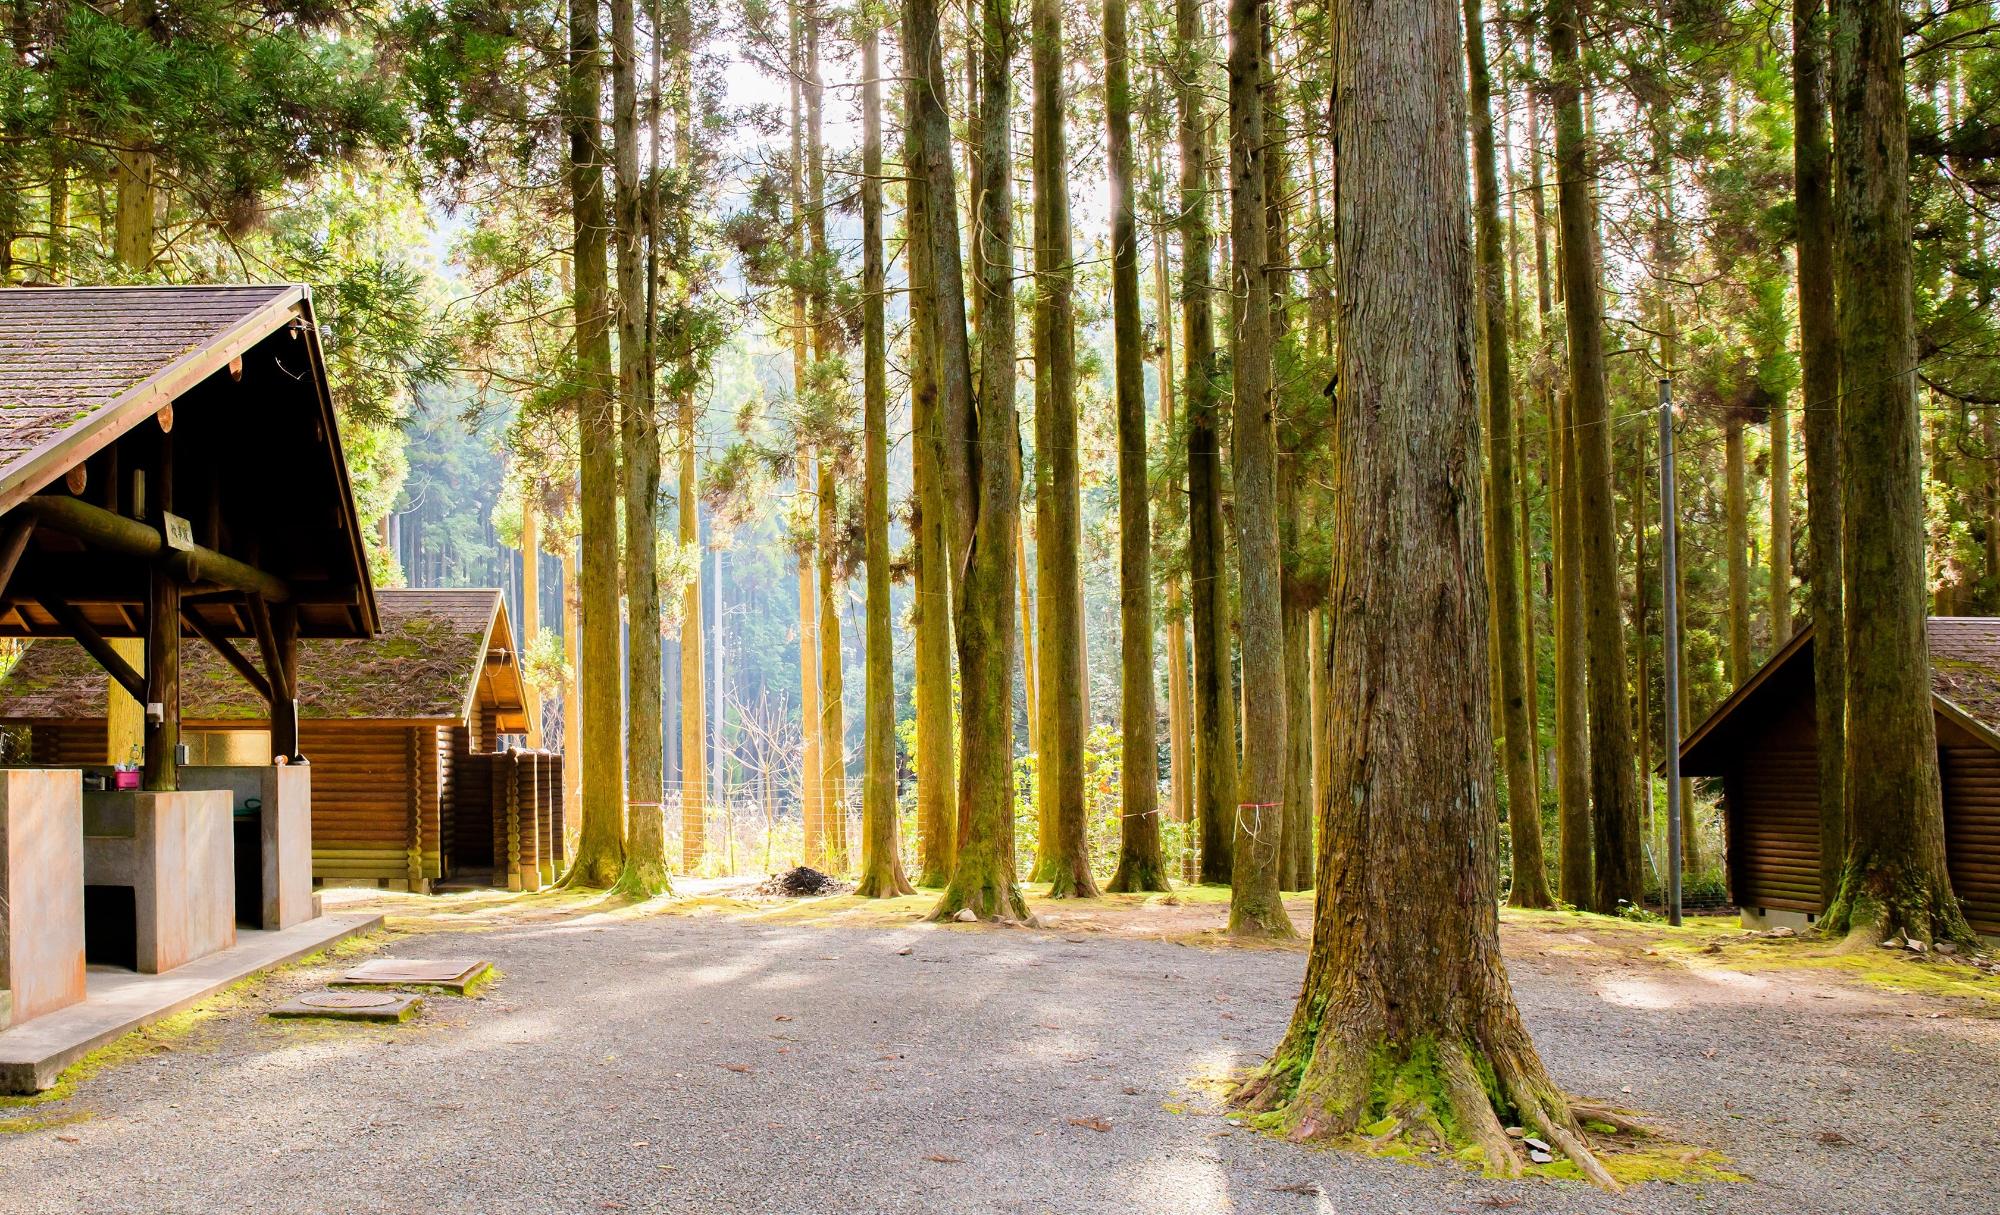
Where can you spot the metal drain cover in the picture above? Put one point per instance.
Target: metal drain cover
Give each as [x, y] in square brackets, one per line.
[382, 1006]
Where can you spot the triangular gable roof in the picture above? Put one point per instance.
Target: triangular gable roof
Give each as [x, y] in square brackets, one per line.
[428, 663]
[1965, 684]
[81, 366]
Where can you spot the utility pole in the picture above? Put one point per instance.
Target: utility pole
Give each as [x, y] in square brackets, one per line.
[1670, 629]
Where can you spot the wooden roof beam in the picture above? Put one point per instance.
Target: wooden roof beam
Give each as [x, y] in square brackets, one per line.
[195, 564]
[91, 640]
[230, 654]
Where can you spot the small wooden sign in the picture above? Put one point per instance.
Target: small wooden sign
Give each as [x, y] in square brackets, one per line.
[180, 533]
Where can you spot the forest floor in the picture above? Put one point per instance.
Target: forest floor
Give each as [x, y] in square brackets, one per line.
[714, 1052]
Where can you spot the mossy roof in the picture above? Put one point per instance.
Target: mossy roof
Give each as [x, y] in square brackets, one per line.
[1965, 683]
[424, 665]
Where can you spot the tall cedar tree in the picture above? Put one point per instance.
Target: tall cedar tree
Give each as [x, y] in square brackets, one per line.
[1214, 700]
[825, 345]
[645, 829]
[881, 857]
[1255, 909]
[1614, 793]
[937, 813]
[1409, 1018]
[1819, 360]
[600, 853]
[982, 477]
[1064, 856]
[1140, 866]
[1895, 882]
[1524, 819]
[812, 800]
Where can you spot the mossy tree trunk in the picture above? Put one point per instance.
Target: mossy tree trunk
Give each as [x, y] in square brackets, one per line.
[1214, 690]
[1140, 866]
[937, 817]
[881, 857]
[1894, 881]
[1530, 886]
[645, 871]
[1614, 793]
[1409, 1017]
[1254, 906]
[1064, 856]
[600, 854]
[982, 479]
[1819, 361]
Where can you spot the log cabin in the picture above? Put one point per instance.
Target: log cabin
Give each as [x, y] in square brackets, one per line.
[1762, 744]
[415, 738]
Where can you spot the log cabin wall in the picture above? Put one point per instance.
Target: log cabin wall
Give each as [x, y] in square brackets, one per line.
[68, 744]
[368, 804]
[1971, 773]
[1771, 813]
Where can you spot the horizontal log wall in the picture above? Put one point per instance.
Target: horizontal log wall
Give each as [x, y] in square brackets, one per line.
[365, 784]
[1972, 831]
[1772, 810]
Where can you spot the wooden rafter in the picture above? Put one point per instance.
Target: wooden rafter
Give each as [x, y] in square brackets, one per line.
[230, 654]
[93, 642]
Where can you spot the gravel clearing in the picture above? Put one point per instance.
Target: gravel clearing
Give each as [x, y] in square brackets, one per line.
[721, 1063]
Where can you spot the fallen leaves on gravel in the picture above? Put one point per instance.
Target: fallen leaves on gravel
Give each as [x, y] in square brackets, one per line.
[1309, 1189]
[1091, 1124]
[1834, 1139]
[739, 1068]
[941, 1158]
[781, 1017]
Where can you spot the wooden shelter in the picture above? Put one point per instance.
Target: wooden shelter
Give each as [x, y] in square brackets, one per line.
[171, 468]
[402, 731]
[1763, 741]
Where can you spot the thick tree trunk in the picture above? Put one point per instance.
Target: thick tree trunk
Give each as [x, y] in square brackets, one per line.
[1215, 793]
[1524, 818]
[572, 719]
[881, 856]
[982, 478]
[1819, 359]
[1064, 856]
[1254, 906]
[600, 854]
[1140, 866]
[1403, 1017]
[1895, 881]
[645, 870]
[1614, 795]
[1736, 510]
[937, 817]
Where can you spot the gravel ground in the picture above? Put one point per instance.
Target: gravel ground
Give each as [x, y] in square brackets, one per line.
[714, 1063]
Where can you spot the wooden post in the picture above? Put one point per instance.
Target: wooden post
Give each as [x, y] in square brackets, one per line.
[163, 681]
[163, 645]
[278, 637]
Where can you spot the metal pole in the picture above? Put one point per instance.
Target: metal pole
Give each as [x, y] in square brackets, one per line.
[1670, 631]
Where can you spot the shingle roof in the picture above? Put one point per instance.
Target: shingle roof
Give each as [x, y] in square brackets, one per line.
[1965, 675]
[424, 665]
[1965, 665]
[73, 360]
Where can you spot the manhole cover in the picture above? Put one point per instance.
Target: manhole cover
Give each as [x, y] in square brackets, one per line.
[350, 999]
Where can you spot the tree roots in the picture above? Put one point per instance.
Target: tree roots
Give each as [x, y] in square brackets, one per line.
[1431, 1096]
